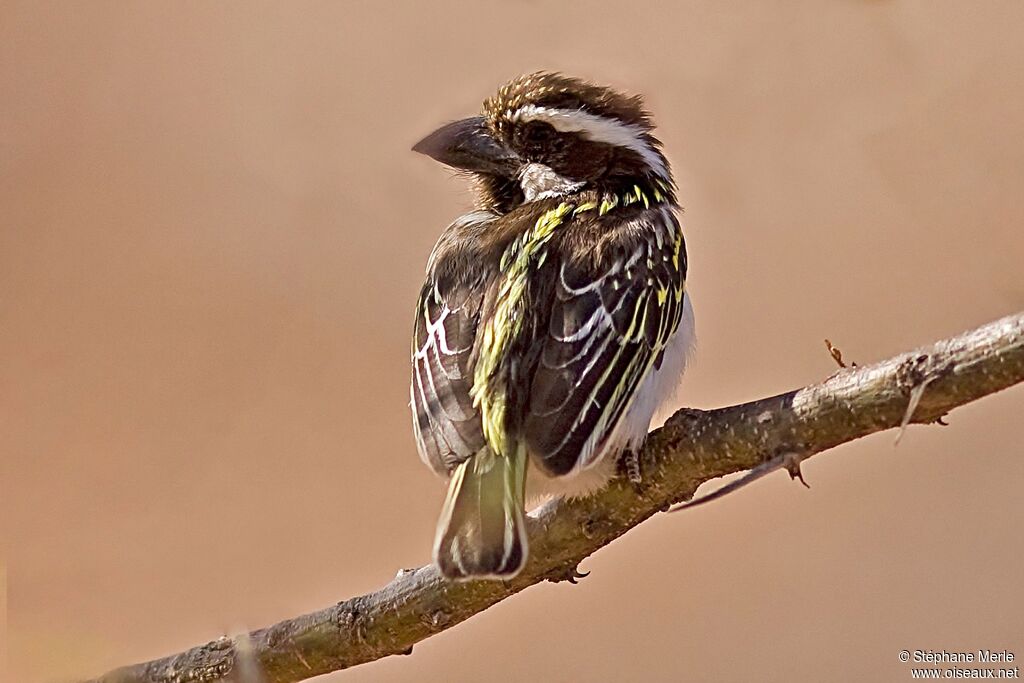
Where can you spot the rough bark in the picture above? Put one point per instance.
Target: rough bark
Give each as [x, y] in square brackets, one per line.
[693, 447]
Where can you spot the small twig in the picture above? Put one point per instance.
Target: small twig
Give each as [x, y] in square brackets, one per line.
[789, 461]
[837, 355]
[915, 397]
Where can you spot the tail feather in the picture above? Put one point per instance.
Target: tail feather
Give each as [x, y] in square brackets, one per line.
[482, 531]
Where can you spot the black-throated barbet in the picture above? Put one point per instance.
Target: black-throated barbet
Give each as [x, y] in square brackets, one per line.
[554, 318]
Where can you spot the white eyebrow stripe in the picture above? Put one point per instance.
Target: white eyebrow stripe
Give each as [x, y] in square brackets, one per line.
[597, 128]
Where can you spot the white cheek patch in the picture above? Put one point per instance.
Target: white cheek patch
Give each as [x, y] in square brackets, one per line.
[598, 129]
[540, 182]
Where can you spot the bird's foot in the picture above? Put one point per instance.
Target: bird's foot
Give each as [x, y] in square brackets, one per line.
[631, 467]
[572, 574]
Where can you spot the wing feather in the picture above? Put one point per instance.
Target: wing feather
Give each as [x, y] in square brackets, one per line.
[609, 325]
[446, 423]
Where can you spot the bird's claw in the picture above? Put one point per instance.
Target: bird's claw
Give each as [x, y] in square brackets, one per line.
[572, 575]
[632, 464]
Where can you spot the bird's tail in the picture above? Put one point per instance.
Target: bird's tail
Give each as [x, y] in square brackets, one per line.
[482, 532]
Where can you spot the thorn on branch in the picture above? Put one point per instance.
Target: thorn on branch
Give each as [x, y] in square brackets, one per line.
[914, 375]
[791, 461]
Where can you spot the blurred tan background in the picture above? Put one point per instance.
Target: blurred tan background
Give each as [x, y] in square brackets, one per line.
[213, 232]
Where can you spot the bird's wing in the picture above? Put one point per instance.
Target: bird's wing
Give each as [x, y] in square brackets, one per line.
[609, 324]
[445, 421]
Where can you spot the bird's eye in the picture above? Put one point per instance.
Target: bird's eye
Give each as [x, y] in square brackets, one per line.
[537, 132]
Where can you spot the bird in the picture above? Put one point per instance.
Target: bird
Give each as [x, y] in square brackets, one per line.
[554, 317]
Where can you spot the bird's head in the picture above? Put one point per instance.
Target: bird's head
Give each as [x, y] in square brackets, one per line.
[548, 134]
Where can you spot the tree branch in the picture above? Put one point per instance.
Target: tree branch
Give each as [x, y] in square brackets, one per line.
[693, 447]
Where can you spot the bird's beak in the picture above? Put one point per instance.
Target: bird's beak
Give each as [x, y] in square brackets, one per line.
[470, 146]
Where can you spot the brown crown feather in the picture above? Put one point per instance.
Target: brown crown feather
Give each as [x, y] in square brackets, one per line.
[557, 91]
